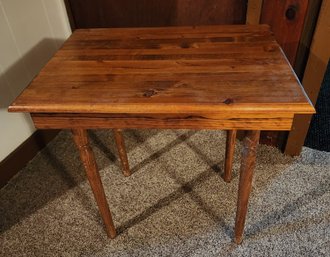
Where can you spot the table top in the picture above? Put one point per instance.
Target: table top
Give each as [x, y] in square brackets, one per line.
[211, 69]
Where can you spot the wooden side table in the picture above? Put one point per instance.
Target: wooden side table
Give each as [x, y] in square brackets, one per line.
[208, 77]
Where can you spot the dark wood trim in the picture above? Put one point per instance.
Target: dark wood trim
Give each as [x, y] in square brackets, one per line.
[70, 15]
[154, 13]
[313, 76]
[286, 19]
[312, 14]
[18, 159]
[253, 12]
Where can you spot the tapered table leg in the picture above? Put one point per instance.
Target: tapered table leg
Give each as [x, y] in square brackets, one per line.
[87, 157]
[230, 148]
[122, 151]
[250, 143]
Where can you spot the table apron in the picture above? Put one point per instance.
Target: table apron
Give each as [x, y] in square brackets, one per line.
[162, 121]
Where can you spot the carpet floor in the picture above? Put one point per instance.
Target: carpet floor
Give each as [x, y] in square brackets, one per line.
[174, 204]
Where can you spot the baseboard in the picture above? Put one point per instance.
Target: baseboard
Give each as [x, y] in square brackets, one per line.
[24, 153]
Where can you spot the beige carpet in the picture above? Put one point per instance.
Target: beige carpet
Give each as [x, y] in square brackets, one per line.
[175, 203]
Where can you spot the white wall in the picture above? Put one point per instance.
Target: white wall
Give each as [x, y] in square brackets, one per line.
[30, 33]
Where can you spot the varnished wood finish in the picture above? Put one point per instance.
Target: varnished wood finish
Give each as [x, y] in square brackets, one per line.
[311, 19]
[81, 139]
[287, 26]
[230, 148]
[208, 69]
[250, 143]
[314, 74]
[209, 77]
[253, 11]
[170, 121]
[286, 19]
[151, 13]
[120, 142]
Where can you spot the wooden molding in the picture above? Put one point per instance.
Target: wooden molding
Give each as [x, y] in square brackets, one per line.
[253, 12]
[286, 19]
[313, 10]
[18, 159]
[154, 13]
[313, 77]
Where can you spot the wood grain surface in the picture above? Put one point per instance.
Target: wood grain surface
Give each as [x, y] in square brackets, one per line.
[120, 142]
[80, 138]
[228, 71]
[208, 77]
[151, 13]
[286, 19]
[248, 160]
[163, 121]
[229, 156]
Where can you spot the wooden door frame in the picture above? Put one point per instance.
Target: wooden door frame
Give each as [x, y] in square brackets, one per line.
[316, 62]
[253, 12]
[313, 76]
